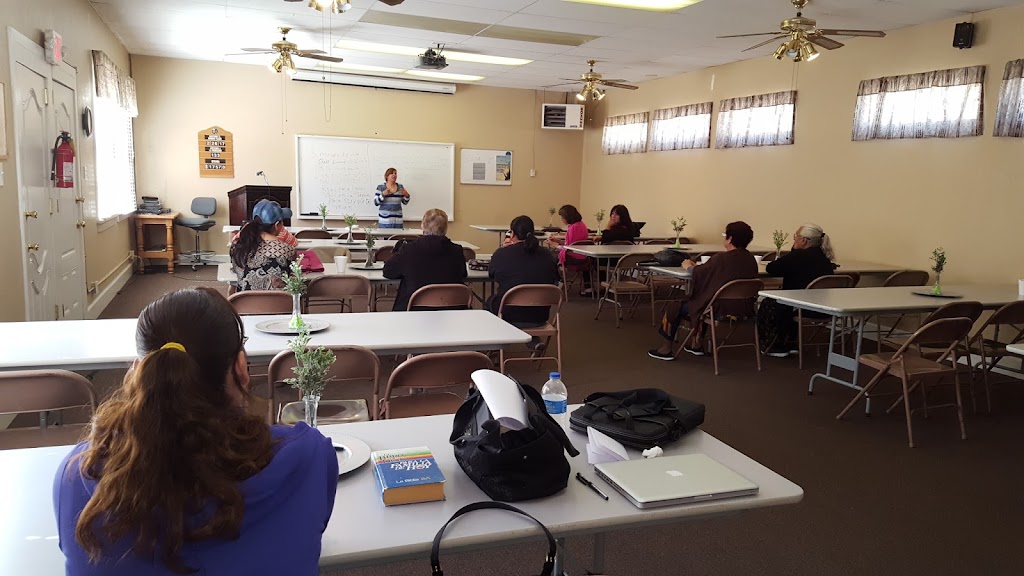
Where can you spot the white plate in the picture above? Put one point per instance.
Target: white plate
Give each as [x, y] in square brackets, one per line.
[352, 453]
[280, 326]
[374, 266]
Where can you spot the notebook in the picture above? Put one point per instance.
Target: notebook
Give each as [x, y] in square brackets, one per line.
[670, 480]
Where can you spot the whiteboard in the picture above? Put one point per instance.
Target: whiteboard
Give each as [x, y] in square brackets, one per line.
[489, 167]
[344, 173]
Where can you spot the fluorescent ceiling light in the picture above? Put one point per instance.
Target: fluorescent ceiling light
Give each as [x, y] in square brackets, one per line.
[661, 5]
[360, 67]
[444, 75]
[413, 51]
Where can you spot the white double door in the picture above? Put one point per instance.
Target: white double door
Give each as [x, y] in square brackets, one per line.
[53, 255]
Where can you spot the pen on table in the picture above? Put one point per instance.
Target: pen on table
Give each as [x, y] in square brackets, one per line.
[591, 485]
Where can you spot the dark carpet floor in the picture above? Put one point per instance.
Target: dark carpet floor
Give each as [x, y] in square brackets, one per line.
[872, 505]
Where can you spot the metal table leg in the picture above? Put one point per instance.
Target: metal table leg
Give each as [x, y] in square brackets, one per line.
[597, 566]
[841, 360]
[559, 556]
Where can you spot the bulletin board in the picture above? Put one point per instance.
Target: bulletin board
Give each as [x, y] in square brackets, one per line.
[487, 167]
[216, 153]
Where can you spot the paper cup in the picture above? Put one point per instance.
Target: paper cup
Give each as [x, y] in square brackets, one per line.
[342, 263]
[704, 259]
[758, 257]
[1020, 287]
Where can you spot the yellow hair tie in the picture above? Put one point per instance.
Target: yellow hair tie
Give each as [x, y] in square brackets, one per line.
[174, 346]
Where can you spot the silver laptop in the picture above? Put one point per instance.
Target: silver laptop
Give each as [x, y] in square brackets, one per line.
[670, 480]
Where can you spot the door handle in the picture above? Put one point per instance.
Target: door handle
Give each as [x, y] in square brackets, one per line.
[34, 246]
[79, 199]
[80, 224]
[32, 214]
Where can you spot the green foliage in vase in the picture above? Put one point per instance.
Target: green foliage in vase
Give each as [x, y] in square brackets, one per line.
[311, 365]
[939, 260]
[779, 238]
[295, 283]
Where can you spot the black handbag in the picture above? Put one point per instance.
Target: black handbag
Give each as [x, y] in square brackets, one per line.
[512, 465]
[668, 257]
[435, 560]
[641, 418]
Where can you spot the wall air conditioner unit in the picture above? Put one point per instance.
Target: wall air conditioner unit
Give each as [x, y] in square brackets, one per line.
[389, 83]
[562, 116]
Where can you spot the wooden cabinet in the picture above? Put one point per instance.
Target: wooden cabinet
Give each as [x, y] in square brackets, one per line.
[158, 252]
[241, 200]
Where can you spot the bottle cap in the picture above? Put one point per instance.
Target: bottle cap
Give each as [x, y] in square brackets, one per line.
[554, 375]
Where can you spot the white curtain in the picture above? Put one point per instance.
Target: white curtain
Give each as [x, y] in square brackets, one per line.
[1010, 113]
[937, 104]
[625, 134]
[761, 120]
[114, 84]
[682, 127]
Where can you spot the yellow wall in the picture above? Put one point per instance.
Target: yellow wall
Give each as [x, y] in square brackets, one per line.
[887, 201]
[82, 31]
[178, 98]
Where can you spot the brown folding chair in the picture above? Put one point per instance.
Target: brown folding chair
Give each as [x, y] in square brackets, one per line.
[537, 295]
[248, 302]
[574, 273]
[429, 380]
[339, 289]
[352, 365]
[958, 309]
[662, 242]
[735, 291]
[855, 276]
[326, 254]
[993, 350]
[446, 296]
[817, 322]
[403, 237]
[909, 278]
[468, 253]
[619, 243]
[313, 235]
[384, 253]
[42, 391]
[627, 279]
[914, 371]
[770, 256]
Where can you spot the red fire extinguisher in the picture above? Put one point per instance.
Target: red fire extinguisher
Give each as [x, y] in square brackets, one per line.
[62, 169]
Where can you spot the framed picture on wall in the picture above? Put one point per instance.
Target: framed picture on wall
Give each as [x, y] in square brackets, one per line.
[488, 167]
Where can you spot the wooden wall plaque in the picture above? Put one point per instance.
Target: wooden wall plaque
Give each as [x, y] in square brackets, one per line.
[216, 153]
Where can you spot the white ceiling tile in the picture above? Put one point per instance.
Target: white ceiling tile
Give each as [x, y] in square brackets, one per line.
[513, 45]
[574, 26]
[446, 11]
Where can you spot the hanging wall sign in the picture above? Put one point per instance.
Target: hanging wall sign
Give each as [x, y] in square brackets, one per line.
[216, 153]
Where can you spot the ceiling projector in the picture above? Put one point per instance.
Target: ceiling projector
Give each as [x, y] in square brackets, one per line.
[432, 60]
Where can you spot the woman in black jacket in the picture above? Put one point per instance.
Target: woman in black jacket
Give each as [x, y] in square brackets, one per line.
[522, 261]
[620, 226]
[810, 258]
[430, 259]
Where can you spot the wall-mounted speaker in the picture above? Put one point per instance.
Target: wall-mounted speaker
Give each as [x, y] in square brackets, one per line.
[963, 35]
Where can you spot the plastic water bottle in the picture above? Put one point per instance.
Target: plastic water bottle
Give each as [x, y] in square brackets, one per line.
[556, 399]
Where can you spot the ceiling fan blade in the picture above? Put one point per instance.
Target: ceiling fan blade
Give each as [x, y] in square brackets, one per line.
[746, 35]
[614, 80]
[322, 58]
[842, 32]
[766, 42]
[308, 52]
[617, 85]
[562, 84]
[827, 43]
[258, 50]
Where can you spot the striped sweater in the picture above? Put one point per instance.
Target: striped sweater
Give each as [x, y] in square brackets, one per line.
[389, 209]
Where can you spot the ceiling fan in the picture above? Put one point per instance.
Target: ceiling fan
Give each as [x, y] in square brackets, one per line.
[801, 34]
[590, 81]
[286, 50]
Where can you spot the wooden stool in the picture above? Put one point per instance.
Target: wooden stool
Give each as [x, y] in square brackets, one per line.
[167, 253]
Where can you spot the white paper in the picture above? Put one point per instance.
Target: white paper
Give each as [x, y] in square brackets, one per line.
[604, 448]
[503, 398]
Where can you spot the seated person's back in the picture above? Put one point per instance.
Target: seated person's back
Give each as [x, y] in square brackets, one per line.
[259, 256]
[522, 262]
[809, 259]
[430, 259]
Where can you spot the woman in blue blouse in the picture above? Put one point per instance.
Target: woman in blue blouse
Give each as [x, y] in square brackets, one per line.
[389, 199]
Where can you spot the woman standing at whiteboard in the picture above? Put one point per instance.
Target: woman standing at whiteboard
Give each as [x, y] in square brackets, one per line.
[389, 199]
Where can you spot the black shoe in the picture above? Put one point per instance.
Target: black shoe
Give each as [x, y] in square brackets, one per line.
[536, 344]
[778, 351]
[694, 351]
[658, 355]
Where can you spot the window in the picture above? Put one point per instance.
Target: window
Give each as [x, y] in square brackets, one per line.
[682, 127]
[1010, 114]
[762, 120]
[115, 160]
[938, 104]
[115, 105]
[625, 134]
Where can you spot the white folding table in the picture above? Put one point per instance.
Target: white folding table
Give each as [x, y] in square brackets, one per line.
[385, 232]
[363, 532]
[100, 344]
[861, 303]
[360, 245]
[860, 267]
[1017, 349]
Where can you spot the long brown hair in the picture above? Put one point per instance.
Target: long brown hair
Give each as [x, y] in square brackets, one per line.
[249, 239]
[171, 444]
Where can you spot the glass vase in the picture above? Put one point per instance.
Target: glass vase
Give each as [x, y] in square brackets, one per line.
[778, 253]
[677, 244]
[937, 288]
[349, 240]
[296, 320]
[370, 255]
[311, 402]
[323, 222]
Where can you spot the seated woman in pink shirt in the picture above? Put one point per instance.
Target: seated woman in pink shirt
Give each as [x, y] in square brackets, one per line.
[576, 230]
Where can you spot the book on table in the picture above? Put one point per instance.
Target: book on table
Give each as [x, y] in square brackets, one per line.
[407, 475]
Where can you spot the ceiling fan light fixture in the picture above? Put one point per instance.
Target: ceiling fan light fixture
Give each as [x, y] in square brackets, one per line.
[808, 52]
[598, 94]
[581, 95]
[780, 52]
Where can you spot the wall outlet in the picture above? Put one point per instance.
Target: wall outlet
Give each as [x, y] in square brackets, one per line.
[533, 172]
[1, 174]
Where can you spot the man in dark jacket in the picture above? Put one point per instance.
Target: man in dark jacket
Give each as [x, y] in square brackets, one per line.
[733, 264]
[430, 259]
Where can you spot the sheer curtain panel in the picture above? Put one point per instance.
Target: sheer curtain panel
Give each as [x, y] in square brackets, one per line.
[625, 134]
[682, 127]
[761, 120]
[937, 104]
[1010, 113]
